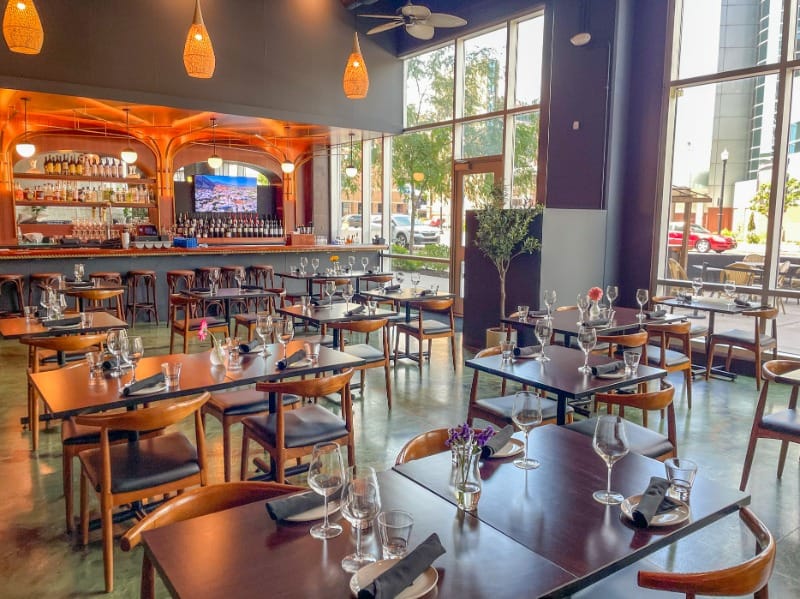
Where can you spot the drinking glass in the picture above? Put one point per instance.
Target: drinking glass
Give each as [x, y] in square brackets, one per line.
[263, 328]
[132, 350]
[347, 293]
[730, 291]
[415, 280]
[351, 262]
[543, 331]
[587, 339]
[330, 291]
[303, 264]
[507, 351]
[325, 477]
[364, 263]
[631, 358]
[522, 312]
[526, 412]
[612, 293]
[549, 301]
[400, 276]
[361, 502]
[697, 285]
[394, 530]
[315, 264]
[582, 302]
[114, 345]
[78, 272]
[611, 444]
[285, 333]
[213, 279]
[642, 296]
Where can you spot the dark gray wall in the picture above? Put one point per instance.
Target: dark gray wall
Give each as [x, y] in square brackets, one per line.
[275, 58]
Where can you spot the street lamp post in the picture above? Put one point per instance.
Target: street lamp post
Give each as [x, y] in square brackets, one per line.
[724, 156]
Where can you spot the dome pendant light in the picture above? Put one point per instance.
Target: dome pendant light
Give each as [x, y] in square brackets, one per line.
[355, 81]
[25, 148]
[350, 170]
[128, 154]
[198, 53]
[214, 161]
[22, 28]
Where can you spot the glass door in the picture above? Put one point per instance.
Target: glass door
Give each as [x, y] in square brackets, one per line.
[474, 180]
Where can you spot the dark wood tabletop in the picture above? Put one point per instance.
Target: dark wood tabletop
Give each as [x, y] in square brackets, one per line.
[560, 375]
[14, 328]
[708, 304]
[551, 510]
[337, 312]
[405, 296]
[242, 553]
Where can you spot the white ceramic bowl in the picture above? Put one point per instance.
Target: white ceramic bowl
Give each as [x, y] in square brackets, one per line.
[139, 245]
[34, 237]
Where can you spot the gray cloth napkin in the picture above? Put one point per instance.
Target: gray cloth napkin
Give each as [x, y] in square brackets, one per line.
[402, 574]
[151, 381]
[200, 290]
[597, 322]
[251, 288]
[685, 297]
[354, 311]
[742, 303]
[497, 441]
[527, 351]
[653, 501]
[537, 313]
[660, 313]
[608, 368]
[250, 347]
[425, 292]
[392, 288]
[62, 322]
[300, 354]
[281, 508]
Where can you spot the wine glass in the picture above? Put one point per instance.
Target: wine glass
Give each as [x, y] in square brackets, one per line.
[612, 293]
[611, 444]
[583, 304]
[330, 291]
[351, 262]
[543, 331]
[238, 277]
[730, 291]
[285, 333]
[347, 293]
[587, 339]
[400, 276]
[114, 345]
[526, 412]
[263, 328]
[361, 502]
[78, 272]
[315, 264]
[303, 264]
[364, 263]
[132, 350]
[415, 278]
[326, 476]
[549, 301]
[213, 278]
[642, 296]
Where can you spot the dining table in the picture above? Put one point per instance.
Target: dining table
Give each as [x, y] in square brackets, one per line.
[226, 295]
[309, 278]
[19, 326]
[535, 533]
[336, 312]
[560, 375]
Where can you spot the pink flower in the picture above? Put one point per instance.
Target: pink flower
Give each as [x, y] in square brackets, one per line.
[203, 332]
[595, 294]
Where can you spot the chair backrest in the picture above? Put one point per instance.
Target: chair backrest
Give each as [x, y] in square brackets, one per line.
[740, 273]
[628, 341]
[318, 387]
[435, 305]
[647, 401]
[772, 369]
[746, 578]
[97, 295]
[61, 344]
[676, 270]
[159, 415]
[764, 316]
[663, 333]
[367, 325]
[378, 279]
[424, 444]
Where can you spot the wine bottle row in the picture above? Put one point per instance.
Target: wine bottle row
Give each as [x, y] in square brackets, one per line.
[227, 225]
[87, 165]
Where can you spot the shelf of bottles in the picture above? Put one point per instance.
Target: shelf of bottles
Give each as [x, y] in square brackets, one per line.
[238, 225]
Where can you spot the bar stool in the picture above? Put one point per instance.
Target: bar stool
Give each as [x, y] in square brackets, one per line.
[202, 279]
[106, 277]
[228, 279]
[262, 275]
[39, 281]
[145, 279]
[17, 281]
[177, 280]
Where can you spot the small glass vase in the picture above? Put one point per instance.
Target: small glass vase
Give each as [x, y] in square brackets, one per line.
[466, 476]
[594, 310]
[217, 355]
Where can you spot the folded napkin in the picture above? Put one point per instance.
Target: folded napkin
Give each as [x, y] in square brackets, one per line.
[110, 363]
[354, 311]
[497, 441]
[527, 351]
[285, 507]
[370, 272]
[392, 288]
[660, 313]
[608, 368]
[251, 288]
[425, 292]
[685, 297]
[402, 574]
[251, 347]
[150, 381]
[200, 290]
[742, 303]
[653, 501]
[80, 283]
[62, 322]
[597, 322]
[300, 354]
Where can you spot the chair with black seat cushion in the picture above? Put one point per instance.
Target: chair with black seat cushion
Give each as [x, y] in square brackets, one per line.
[763, 336]
[497, 410]
[373, 357]
[186, 326]
[231, 407]
[290, 434]
[781, 425]
[193, 504]
[424, 329]
[140, 468]
[664, 337]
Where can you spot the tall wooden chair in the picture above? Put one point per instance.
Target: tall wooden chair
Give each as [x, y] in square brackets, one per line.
[424, 329]
[372, 356]
[193, 504]
[142, 468]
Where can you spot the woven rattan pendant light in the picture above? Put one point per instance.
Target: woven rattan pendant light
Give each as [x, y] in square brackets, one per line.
[198, 53]
[356, 80]
[22, 28]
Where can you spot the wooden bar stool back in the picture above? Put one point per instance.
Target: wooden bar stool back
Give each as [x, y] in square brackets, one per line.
[178, 280]
[16, 282]
[142, 294]
[39, 281]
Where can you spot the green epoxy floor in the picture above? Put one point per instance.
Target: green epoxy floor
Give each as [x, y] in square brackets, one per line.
[38, 559]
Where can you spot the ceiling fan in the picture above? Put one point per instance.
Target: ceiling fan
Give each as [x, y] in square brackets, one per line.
[418, 20]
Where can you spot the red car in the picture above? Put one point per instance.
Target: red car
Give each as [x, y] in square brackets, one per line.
[700, 238]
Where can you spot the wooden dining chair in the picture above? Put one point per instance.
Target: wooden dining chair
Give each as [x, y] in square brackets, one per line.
[290, 434]
[781, 425]
[699, 327]
[141, 468]
[762, 337]
[187, 326]
[193, 504]
[425, 444]
[373, 357]
[615, 346]
[247, 320]
[660, 353]
[424, 329]
[497, 410]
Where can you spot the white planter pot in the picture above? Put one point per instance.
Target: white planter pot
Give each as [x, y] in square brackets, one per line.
[497, 336]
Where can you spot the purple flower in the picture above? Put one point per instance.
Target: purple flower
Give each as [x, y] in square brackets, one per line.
[464, 435]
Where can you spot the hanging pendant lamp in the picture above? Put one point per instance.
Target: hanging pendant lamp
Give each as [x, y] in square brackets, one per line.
[350, 170]
[198, 53]
[287, 166]
[25, 148]
[22, 28]
[356, 79]
[214, 161]
[128, 154]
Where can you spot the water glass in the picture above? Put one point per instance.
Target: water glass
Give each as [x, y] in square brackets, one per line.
[522, 312]
[234, 359]
[312, 351]
[78, 272]
[95, 361]
[372, 306]
[507, 351]
[631, 358]
[172, 374]
[680, 474]
[87, 319]
[30, 312]
[305, 302]
[394, 531]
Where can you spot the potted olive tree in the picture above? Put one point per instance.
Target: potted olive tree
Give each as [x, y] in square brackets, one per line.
[502, 235]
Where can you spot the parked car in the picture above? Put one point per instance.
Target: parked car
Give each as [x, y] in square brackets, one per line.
[700, 238]
[401, 229]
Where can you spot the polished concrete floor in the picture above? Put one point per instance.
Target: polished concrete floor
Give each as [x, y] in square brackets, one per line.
[38, 559]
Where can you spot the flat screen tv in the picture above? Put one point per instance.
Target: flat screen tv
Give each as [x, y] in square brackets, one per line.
[219, 193]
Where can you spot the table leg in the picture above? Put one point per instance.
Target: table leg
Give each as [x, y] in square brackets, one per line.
[561, 409]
